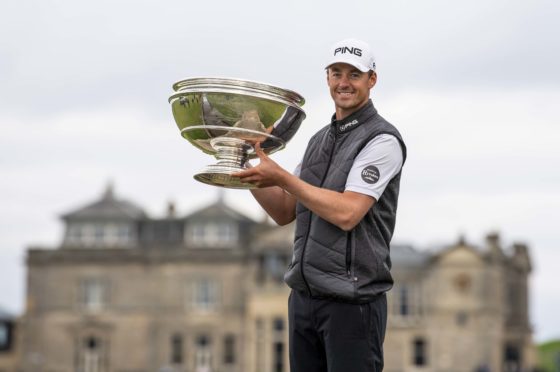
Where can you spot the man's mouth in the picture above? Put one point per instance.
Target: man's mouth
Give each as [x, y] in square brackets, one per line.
[345, 94]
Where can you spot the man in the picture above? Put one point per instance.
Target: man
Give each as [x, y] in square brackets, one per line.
[343, 197]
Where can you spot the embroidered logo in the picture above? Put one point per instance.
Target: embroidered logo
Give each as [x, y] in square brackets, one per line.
[343, 50]
[344, 127]
[370, 174]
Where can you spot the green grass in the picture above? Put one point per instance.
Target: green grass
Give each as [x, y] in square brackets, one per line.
[549, 356]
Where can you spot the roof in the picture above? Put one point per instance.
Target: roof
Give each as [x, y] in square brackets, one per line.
[218, 210]
[407, 256]
[108, 207]
[4, 314]
[275, 237]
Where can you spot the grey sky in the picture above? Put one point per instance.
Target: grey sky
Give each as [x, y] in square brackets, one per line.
[473, 86]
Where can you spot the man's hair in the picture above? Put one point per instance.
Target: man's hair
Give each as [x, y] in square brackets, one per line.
[370, 72]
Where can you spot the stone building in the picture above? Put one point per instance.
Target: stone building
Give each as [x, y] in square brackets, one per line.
[461, 308]
[125, 292]
[9, 348]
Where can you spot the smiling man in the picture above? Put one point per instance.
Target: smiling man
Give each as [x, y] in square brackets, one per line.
[343, 196]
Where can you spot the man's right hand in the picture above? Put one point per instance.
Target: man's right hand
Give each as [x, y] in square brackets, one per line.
[266, 174]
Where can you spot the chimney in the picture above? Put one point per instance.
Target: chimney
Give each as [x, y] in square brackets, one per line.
[171, 211]
[494, 246]
[493, 239]
[109, 193]
[521, 256]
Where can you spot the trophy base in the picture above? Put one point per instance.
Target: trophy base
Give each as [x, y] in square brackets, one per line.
[221, 176]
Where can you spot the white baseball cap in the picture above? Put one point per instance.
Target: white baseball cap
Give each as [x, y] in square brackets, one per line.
[354, 52]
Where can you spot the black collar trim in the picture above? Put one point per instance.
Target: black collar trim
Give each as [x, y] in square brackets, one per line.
[353, 120]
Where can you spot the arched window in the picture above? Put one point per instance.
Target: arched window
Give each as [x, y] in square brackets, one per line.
[91, 355]
[203, 354]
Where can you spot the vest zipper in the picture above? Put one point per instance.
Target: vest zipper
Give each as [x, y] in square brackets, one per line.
[349, 254]
[310, 213]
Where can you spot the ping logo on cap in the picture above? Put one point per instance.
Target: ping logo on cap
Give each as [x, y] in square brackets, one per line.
[344, 50]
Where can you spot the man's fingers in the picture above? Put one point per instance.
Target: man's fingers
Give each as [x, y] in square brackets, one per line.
[251, 180]
[243, 173]
[259, 151]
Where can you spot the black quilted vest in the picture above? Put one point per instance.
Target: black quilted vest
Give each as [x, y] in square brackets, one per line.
[327, 261]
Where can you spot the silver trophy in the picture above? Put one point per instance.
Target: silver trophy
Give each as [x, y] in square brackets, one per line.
[228, 117]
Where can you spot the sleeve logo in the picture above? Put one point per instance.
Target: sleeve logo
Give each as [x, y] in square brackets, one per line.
[370, 174]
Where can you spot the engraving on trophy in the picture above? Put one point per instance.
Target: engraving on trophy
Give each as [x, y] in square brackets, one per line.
[226, 118]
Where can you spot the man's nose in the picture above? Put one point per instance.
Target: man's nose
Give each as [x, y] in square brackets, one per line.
[344, 81]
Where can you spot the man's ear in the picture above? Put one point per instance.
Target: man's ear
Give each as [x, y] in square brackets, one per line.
[372, 80]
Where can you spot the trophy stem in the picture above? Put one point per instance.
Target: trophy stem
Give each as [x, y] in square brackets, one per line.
[232, 155]
[231, 151]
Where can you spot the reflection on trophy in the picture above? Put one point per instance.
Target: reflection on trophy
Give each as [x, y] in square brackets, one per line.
[228, 117]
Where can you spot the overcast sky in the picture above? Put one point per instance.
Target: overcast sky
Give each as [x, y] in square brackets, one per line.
[473, 87]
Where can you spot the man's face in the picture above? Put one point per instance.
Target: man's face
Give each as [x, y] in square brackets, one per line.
[349, 88]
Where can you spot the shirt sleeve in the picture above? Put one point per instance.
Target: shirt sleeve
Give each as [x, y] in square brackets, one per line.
[297, 171]
[376, 164]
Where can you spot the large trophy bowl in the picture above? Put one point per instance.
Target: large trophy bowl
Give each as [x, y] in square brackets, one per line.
[228, 117]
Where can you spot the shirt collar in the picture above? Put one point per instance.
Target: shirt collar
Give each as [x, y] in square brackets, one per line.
[354, 119]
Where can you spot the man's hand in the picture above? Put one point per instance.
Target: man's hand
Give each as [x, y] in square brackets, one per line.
[267, 173]
[267, 176]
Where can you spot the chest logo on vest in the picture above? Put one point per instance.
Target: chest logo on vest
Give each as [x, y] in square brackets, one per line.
[370, 174]
[346, 126]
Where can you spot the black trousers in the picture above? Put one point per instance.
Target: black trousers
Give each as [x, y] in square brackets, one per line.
[330, 336]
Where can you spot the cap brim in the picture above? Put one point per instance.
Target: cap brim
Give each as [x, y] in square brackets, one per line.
[350, 62]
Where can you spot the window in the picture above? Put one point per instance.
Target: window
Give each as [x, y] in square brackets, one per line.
[74, 233]
[261, 271]
[462, 318]
[275, 265]
[260, 337]
[512, 357]
[278, 357]
[99, 234]
[271, 267]
[229, 349]
[278, 325]
[406, 301]
[123, 233]
[177, 349]
[403, 301]
[213, 234]
[91, 355]
[226, 232]
[419, 346]
[198, 233]
[203, 354]
[93, 294]
[278, 346]
[205, 295]
[4, 336]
